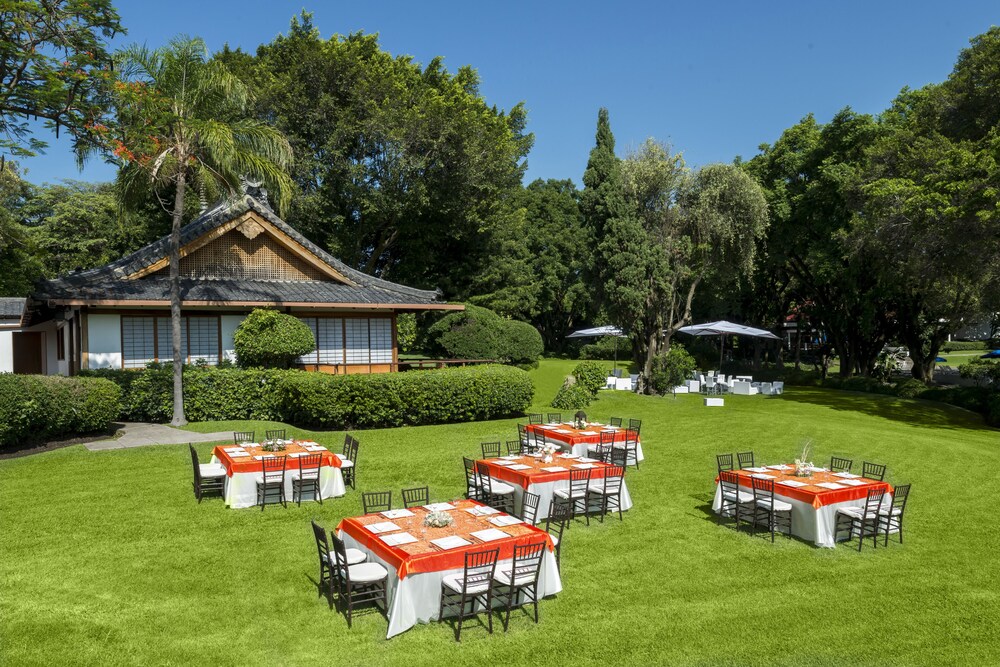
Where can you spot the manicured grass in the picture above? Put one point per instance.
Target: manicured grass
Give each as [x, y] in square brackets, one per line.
[105, 558]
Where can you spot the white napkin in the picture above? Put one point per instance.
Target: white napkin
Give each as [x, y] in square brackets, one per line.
[397, 538]
[518, 466]
[781, 466]
[760, 475]
[505, 520]
[238, 454]
[296, 455]
[482, 510]
[439, 507]
[757, 469]
[511, 457]
[584, 466]
[792, 483]
[563, 430]
[396, 514]
[833, 486]
[451, 542]
[569, 456]
[489, 535]
[846, 475]
[853, 482]
[584, 459]
[815, 469]
[555, 469]
[502, 462]
[588, 432]
[382, 527]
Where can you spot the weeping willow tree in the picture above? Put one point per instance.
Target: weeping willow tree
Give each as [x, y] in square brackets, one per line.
[184, 122]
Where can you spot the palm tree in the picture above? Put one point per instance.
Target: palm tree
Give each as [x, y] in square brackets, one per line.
[183, 122]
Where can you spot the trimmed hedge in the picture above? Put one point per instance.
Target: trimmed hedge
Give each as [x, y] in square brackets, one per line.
[332, 401]
[39, 407]
[961, 345]
[479, 333]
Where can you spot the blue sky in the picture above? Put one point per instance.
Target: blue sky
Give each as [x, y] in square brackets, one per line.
[714, 79]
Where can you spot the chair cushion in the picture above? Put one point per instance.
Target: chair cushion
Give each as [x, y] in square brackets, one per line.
[455, 581]
[597, 487]
[310, 474]
[501, 488]
[503, 577]
[564, 493]
[744, 497]
[896, 511]
[345, 463]
[779, 505]
[354, 556]
[856, 512]
[366, 572]
[212, 470]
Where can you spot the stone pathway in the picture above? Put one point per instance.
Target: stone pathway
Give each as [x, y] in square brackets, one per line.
[134, 434]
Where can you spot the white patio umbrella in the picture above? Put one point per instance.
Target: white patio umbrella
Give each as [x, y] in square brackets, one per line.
[722, 328]
[600, 332]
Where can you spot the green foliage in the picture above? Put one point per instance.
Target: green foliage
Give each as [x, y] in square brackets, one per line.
[398, 166]
[270, 339]
[539, 264]
[909, 388]
[605, 348]
[671, 369]
[479, 333]
[982, 371]
[329, 401]
[54, 65]
[19, 265]
[591, 375]
[406, 332]
[39, 407]
[963, 345]
[572, 396]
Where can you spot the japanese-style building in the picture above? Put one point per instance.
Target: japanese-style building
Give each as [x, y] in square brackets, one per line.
[235, 257]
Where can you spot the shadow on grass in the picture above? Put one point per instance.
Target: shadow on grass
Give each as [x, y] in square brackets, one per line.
[909, 411]
[707, 514]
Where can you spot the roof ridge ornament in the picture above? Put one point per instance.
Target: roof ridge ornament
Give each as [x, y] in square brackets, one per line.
[254, 187]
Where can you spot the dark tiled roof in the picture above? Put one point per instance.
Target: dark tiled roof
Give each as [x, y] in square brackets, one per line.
[11, 307]
[108, 282]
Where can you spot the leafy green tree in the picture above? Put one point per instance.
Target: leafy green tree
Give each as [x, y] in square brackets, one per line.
[538, 267]
[269, 339]
[402, 171]
[54, 65]
[19, 263]
[184, 120]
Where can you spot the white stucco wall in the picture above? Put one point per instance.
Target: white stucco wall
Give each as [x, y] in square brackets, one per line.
[6, 352]
[104, 341]
[229, 324]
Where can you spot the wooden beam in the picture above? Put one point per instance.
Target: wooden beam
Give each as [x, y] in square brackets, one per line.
[163, 303]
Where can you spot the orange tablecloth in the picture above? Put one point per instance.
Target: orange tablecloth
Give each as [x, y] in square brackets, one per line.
[536, 475]
[243, 464]
[422, 556]
[576, 436]
[816, 496]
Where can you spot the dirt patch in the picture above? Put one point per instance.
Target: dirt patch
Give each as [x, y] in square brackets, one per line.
[29, 448]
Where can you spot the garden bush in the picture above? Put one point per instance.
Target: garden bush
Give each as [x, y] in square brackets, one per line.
[591, 375]
[983, 372]
[269, 339]
[332, 401]
[671, 369]
[572, 396]
[961, 345]
[38, 407]
[479, 333]
[909, 388]
[604, 348]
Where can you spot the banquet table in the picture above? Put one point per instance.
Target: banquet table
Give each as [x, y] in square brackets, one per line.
[814, 507]
[578, 440]
[531, 474]
[417, 568]
[243, 467]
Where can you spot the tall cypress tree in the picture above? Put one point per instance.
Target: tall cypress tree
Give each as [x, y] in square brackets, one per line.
[602, 197]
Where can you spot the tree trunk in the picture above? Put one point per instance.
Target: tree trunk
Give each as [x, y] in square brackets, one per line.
[175, 300]
[652, 349]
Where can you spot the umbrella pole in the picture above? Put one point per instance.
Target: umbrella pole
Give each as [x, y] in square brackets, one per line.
[722, 341]
[615, 371]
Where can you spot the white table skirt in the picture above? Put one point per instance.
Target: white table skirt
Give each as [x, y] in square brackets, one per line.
[417, 598]
[815, 525]
[581, 449]
[241, 487]
[545, 491]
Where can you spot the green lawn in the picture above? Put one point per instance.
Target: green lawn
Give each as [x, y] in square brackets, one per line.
[105, 558]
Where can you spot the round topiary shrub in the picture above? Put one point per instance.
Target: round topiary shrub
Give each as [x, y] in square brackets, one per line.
[522, 343]
[909, 388]
[269, 339]
[479, 333]
[671, 369]
[591, 375]
[571, 396]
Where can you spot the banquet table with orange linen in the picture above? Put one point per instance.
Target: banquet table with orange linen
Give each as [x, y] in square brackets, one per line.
[579, 440]
[418, 557]
[814, 499]
[243, 468]
[533, 474]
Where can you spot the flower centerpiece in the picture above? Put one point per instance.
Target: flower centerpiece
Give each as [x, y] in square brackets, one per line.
[548, 449]
[803, 465]
[580, 420]
[273, 446]
[438, 520]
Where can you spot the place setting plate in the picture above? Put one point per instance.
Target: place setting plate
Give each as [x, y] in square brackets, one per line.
[506, 520]
[397, 514]
[439, 507]
[482, 510]
[381, 527]
[397, 539]
[489, 535]
[450, 542]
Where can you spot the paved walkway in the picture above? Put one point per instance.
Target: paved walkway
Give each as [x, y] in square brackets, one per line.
[134, 434]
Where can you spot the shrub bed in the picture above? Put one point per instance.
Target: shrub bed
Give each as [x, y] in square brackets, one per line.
[38, 407]
[331, 401]
[962, 345]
